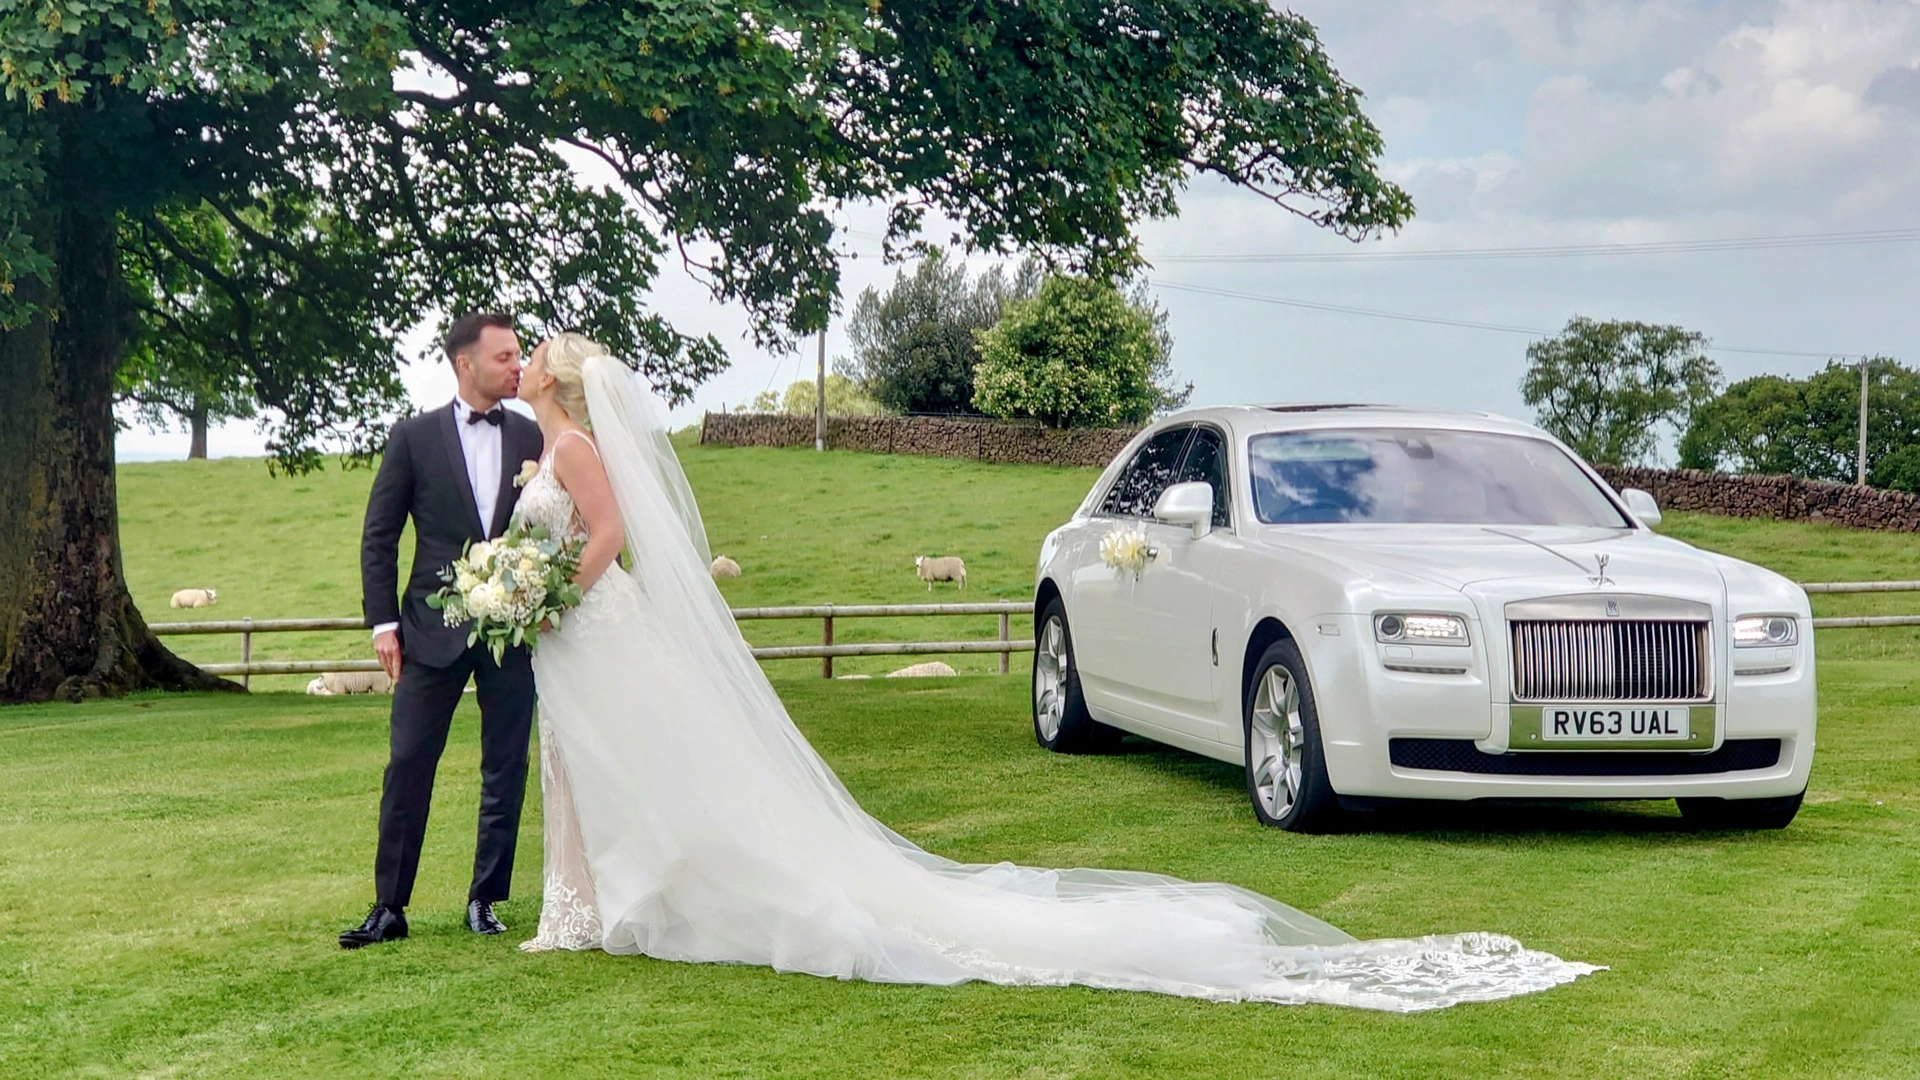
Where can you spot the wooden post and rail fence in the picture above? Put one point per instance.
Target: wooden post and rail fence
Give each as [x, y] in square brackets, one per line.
[827, 650]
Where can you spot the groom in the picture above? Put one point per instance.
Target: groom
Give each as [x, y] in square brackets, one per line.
[451, 470]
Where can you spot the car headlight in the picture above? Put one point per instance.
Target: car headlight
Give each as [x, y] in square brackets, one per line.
[1416, 628]
[1756, 631]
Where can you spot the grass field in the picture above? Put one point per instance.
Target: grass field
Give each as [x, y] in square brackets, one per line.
[175, 868]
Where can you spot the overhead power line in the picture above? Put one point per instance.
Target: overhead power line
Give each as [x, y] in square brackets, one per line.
[1436, 320]
[1656, 247]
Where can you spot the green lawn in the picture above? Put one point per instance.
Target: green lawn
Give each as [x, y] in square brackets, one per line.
[175, 868]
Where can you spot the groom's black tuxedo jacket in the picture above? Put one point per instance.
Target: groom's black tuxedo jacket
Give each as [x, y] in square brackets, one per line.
[424, 475]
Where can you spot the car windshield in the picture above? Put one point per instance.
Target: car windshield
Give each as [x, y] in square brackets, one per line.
[1391, 476]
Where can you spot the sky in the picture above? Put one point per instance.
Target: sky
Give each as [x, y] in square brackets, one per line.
[1512, 124]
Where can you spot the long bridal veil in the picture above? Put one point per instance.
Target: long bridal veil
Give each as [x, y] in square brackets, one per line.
[717, 833]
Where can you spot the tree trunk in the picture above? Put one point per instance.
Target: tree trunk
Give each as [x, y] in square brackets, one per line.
[68, 627]
[197, 420]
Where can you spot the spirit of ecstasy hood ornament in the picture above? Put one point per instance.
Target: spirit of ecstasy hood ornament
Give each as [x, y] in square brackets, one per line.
[1601, 580]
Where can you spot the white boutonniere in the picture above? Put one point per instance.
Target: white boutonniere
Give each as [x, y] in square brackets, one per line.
[526, 474]
[1125, 548]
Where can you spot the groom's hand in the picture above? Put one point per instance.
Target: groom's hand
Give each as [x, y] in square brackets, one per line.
[387, 647]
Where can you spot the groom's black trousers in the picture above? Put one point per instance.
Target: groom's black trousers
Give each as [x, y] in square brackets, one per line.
[423, 704]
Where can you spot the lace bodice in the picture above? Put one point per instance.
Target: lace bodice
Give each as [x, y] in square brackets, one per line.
[545, 503]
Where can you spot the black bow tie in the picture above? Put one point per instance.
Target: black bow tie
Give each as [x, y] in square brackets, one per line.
[491, 416]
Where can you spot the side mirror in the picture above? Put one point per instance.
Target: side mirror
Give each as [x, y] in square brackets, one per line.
[1643, 506]
[1188, 504]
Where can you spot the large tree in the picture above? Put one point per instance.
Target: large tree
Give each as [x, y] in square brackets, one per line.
[1608, 388]
[376, 161]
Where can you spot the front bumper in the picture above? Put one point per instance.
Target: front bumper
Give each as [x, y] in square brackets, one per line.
[1439, 735]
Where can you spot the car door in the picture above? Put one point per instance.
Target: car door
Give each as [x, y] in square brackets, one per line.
[1168, 646]
[1101, 613]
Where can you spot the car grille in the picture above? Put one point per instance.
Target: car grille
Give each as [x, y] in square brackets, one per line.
[1461, 755]
[1610, 660]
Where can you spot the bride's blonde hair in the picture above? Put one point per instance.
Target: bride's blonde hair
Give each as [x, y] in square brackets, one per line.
[566, 353]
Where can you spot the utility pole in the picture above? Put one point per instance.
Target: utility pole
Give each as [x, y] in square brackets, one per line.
[1860, 458]
[820, 398]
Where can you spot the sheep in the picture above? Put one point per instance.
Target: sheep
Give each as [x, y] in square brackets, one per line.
[914, 671]
[943, 568]
[330, 683]
[724, 567]
[194, 598]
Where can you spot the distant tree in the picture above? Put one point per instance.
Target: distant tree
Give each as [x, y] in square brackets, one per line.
[1078, 353]
[914, 348]
[1607, 388]
[190, 379]
[1811, 427]
[844, 398]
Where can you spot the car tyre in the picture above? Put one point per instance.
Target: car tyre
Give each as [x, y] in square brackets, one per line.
[1711, 813]
[1061, 722]
[1286, 766]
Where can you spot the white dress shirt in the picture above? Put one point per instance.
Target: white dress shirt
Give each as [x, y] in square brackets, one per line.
[480, 445]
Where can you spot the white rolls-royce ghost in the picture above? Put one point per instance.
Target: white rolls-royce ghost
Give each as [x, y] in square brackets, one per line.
[1364, 603]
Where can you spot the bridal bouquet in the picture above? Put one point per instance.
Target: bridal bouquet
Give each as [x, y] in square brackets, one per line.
[507, 587]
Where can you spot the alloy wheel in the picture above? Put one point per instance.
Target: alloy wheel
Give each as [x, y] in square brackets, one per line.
[1050, 664]
[1277, 741]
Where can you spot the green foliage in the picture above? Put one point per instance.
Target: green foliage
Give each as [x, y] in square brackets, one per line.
[1079, 353]
[1811, 427]
[376, 162]
[1607, 388]
[915, 347]
[845, 397]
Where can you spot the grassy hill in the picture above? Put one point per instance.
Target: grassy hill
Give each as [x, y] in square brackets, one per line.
[807, 528]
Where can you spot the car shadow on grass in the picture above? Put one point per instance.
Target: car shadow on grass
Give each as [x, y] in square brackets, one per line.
[1453, 821]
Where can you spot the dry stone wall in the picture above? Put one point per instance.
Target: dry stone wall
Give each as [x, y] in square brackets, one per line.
[927, 436]
[1779, 497]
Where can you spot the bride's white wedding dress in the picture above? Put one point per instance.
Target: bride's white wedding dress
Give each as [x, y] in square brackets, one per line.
[688, 819]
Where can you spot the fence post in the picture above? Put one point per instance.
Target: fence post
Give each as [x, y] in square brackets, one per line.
[826, 638]
[1006, 622]
[246, 652]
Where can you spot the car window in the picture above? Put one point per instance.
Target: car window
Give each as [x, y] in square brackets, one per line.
[1206, 460]
[1402, 476]
[1149, 473]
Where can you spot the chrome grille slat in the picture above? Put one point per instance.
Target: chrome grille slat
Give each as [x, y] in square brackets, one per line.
[1609, 660]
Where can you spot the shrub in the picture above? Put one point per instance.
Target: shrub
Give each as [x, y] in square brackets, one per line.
[913, 346]
[1079, 353]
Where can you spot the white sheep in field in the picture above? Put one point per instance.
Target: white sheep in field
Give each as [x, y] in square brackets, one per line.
[330, 683]
[932, 668]
[724, 567]
[194, 598]
[943, 568]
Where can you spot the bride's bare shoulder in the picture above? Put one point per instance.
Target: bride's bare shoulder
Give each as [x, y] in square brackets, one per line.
[575, 454]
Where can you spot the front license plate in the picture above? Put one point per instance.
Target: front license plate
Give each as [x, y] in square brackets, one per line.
[1607, 723]
[1611, 727]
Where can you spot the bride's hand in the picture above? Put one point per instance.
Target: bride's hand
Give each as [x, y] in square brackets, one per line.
[546, 626]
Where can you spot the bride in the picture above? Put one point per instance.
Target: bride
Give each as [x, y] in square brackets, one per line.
[688, 819]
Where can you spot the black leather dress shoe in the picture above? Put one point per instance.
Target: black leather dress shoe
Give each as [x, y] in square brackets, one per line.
[383, 924]
[481, 919]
